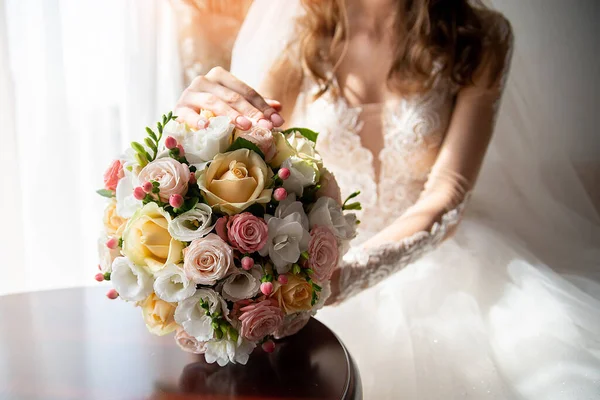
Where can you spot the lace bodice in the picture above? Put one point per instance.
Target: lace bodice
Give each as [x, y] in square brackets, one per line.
[412, 132]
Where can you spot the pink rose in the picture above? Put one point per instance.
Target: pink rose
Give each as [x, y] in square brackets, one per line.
[172, 176]
[113, 174]
[246, 232]
[292, 324]
[262, 138]
[189, 343]
[221, 227]
[329, 187]
[260, 319]
[322, 253]
[207, 260]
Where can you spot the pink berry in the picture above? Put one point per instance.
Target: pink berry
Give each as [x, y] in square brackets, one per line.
[139, 193]
[99, 277]
[147, 187]
[266, 288]
[112, 294]
[247, 263]
[181, 150]
[176, 200]
[280, 194]
[192, 180]
[284, 173]
[112, 243]
[170, 142]
[268, 346]
[283, 279]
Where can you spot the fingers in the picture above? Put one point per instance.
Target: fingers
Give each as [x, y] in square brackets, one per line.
[260, 109]
[275, 104]
[212, 102]
[190, 117]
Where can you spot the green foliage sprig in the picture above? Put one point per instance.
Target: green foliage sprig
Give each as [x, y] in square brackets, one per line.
[142, 155]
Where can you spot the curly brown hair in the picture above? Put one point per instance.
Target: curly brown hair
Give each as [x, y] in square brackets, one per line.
[448, 39]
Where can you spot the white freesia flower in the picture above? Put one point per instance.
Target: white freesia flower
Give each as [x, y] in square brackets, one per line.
[192, 224]
[226, 351]
[127, 205]
[290, 206]
[192, 317]
[201, 146]
[303, 172]
[172, 285]
[131, 281]
[241, 284]
[287, 240]
[177, 130]
[327, 212]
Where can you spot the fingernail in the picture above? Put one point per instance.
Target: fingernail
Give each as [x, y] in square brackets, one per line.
[277, 120]
[202, 123]
[243, 122]
[265, 123]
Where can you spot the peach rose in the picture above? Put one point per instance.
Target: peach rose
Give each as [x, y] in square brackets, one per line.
[113, 174]
[172, 176]
[295, 295]
[158, 315]
[113, 223]
[235, 180]
[260, 319]
[207, 260]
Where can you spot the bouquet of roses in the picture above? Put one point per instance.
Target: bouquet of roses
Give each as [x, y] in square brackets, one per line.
[228, 238]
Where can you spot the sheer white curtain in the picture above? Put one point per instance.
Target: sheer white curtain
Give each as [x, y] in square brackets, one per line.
[78, 80]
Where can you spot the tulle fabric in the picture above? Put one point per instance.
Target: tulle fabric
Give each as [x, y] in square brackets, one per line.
[509, 307]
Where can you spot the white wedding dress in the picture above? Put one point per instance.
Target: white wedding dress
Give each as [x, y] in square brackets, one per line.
[507, 308]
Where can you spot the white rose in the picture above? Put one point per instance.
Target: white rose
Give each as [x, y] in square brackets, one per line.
[226, 351]
[192, 224]
[203, 145]
[304, 147]
[131, 281]
[303, 172]
[107, 255]
[241, 285]
[127, 205]
[287, 240]
[327, 212]
[192, 317]
[172, 285]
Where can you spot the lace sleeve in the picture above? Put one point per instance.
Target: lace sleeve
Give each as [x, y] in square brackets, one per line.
[437, 211]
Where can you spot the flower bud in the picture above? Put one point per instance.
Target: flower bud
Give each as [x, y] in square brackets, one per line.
[268, 346]
[112, 243]
[284, 173]
[170, 142]
[181, 150]
[176, 200]
[280, 194]
[192, 180]
[147, 187]
[266, 288]
[112, 294]
[99, 277]
[247, 263]
[283, 279]
[139, 193]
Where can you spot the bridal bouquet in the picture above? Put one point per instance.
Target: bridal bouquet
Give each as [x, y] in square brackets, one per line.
[226, 237]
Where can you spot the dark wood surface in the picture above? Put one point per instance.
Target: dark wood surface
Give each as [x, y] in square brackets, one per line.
[77, 344]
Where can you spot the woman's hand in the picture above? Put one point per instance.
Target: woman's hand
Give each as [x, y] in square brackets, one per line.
[224, 94]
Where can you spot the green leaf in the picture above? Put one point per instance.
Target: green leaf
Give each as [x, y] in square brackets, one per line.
[106, 193]
[151, 134]
[138, 148]
[141, 159]
[307, 133]
[241, 143]
[170, 116]
[150, 143]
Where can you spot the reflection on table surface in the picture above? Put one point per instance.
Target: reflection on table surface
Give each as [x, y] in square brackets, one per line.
[76, 344]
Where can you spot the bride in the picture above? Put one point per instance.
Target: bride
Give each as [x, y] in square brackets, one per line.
[497, 295]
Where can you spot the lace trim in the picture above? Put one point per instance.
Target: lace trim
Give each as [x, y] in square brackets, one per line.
[362, 269]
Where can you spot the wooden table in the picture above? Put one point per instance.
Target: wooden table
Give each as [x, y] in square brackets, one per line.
[77, 344]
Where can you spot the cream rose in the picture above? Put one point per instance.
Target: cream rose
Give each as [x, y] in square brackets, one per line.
[284, 149]
[303, 172]
[172, 176]
[146, 239]
[235, 180]
[207, 260]
[295, 295]
[113, 223]
[158, 315]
